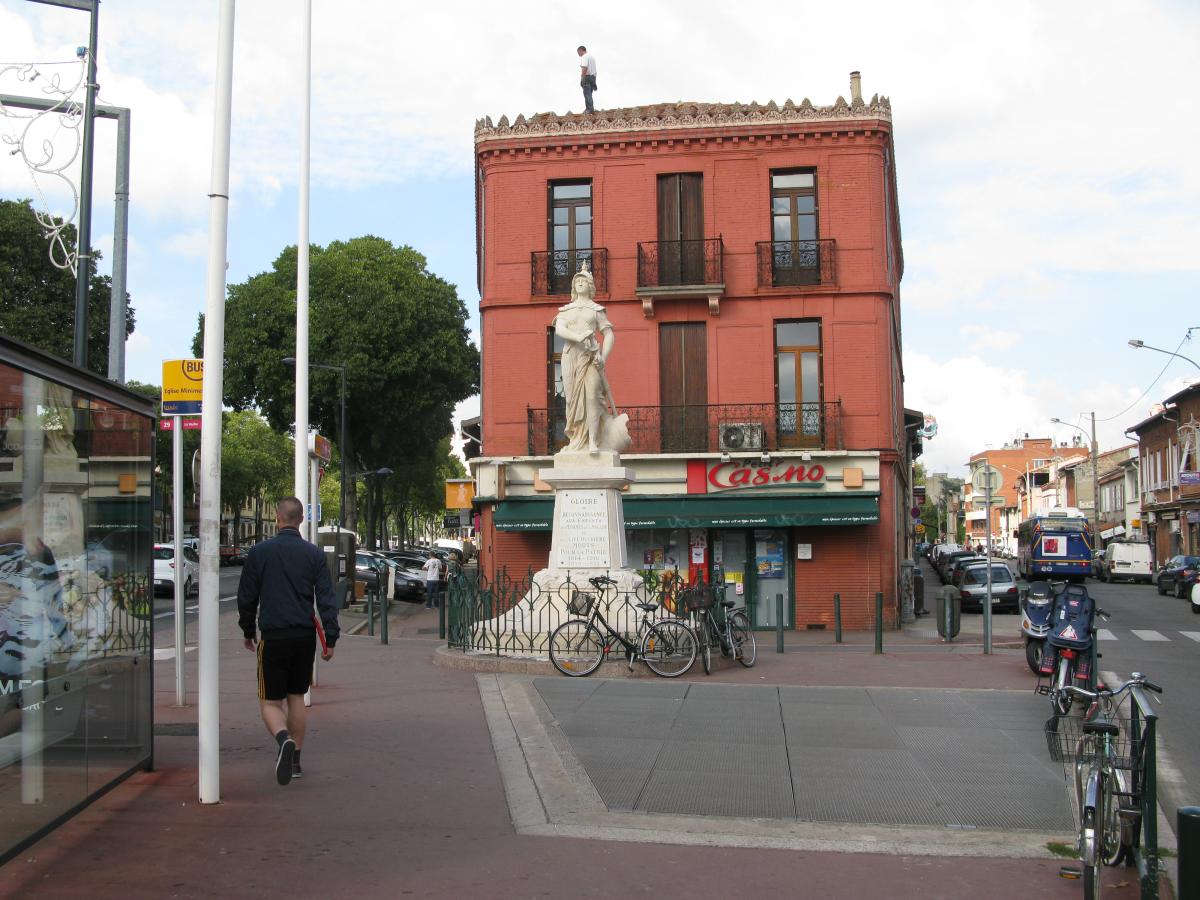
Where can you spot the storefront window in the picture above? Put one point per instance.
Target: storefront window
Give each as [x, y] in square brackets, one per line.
[75, 597]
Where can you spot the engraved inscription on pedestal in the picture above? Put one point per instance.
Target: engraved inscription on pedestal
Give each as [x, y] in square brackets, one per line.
[581, 529]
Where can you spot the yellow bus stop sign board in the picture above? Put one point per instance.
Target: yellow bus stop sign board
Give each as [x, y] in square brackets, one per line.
[183, 387]
[459, 493]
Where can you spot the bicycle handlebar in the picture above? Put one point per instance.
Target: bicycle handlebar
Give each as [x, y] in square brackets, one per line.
[1138, 680]
[600, 581]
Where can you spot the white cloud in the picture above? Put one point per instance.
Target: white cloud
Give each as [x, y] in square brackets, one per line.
[979, 337]
[192, 243]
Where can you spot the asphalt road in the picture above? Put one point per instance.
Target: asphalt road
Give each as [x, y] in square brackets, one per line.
[1159, 636]
[164, 609]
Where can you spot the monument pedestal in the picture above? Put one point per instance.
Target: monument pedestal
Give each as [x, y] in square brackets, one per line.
[588, 540]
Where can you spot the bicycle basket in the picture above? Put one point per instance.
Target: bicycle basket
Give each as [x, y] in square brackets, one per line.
[581, 603]
[697, 598]
[1064, 740]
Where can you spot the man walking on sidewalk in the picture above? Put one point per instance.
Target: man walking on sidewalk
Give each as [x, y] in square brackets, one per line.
[279, 582]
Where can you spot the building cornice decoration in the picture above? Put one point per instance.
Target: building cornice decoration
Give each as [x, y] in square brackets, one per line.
[675, 116]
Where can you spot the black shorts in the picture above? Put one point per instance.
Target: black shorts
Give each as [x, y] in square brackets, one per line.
[285, 666]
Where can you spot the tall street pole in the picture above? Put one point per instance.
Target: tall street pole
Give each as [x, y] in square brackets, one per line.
[210, 434]
[1096, 487]
[120, 266]
[345, 461]
[84, 244]
[301, 459]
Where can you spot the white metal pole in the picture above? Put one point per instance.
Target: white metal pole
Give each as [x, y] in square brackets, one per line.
[177, 531]
[301, 473]
[210, 433]
[987, 606]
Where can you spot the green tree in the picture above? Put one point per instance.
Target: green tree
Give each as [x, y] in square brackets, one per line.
[37, 299]
[256, 465]
[400, 330]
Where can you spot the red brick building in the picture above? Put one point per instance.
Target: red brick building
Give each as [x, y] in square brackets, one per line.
[749, 259]
[1170, 475]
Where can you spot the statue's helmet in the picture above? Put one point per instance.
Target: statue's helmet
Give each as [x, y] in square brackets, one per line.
[585, 273]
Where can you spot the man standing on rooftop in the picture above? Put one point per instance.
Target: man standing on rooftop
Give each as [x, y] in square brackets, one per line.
[587, 76]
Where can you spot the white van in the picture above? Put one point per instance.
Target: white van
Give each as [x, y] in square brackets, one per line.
[1127, 559]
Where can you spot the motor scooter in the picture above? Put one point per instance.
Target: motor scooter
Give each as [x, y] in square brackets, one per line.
[1035, 622]
[1067, 657]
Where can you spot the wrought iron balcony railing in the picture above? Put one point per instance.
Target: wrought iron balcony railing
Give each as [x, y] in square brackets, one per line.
[712, 428]
[551, 271]
[680, 263]
[785, 263]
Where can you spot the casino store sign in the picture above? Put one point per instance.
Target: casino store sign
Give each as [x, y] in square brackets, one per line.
[741, 476]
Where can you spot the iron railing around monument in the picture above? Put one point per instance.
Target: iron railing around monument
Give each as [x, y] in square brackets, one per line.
[708, 428]
[514, 616]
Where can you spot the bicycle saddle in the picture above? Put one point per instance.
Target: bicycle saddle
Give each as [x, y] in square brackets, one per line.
[1100, 725]
[647, 607]
[729, 604]
[600, 581]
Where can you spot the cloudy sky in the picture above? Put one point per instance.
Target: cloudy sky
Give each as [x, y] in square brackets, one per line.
[1046, 152]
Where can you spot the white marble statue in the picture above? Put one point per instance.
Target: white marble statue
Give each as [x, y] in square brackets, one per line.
[592, 420]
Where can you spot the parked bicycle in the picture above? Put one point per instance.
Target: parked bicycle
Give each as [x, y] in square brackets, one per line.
[732, 634]
[579, 645]
[1107, 764]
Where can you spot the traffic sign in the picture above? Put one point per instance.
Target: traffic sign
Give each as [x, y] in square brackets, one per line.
[320, 510]
[191, 423]
[183, 387]
[920, 528]
[320, 447]
[982, 475]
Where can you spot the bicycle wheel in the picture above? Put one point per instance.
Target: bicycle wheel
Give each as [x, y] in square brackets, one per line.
[704, 643]
[1117, 836]
[1092, 830]
[744, 647]
[576, 647]
[669, 648]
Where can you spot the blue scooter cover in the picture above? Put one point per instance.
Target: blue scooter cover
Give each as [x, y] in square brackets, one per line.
[1071, 623]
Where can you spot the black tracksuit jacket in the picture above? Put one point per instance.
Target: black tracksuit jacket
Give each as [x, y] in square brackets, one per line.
[279, 581]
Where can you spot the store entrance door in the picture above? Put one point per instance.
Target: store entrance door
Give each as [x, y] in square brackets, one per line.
[772, 571]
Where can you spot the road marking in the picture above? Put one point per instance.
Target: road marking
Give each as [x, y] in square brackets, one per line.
[1194, 635]
[163, 653]
[1105, 635]
[1150, 635]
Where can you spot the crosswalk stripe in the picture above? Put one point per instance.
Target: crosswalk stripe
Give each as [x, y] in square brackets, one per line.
[1150, 635]
[1194, 635]
[1105, 635]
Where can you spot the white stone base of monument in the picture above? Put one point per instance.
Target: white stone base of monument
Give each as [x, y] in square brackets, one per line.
[588, 540]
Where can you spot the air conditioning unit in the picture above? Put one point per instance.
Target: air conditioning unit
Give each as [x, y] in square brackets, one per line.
[736, 436]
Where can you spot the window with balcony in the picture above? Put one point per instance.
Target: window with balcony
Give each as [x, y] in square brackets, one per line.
[795, 255]
[569, 239]
[556, 395]
[800, 417]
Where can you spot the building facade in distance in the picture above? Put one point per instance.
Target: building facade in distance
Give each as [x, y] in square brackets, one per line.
[749, 260]
[1169, 461]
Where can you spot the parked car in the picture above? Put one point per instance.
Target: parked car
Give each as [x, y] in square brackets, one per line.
[1195, 601]
[373, 569]
[948, 559]
[1177, 575]
[1126, 559]
[233, 555]
[164, 569]
[955, 569]
[972, 586]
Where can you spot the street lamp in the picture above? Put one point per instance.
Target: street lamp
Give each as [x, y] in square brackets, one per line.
[1095, 476]
[291, 361]
[1142, 345]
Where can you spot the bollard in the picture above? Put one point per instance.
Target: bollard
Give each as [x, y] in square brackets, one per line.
[837, 618]
[779, 623]
[383, 617]
[1187, 830]
[371, 613]
[878, 621]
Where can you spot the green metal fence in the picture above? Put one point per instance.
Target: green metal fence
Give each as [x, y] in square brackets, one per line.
[1144, 738]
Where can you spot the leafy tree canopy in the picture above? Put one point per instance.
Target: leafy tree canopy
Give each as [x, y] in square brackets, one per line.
[400, 330]
[37, 299]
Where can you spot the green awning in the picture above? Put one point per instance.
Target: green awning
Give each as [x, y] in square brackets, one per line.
[707, 511]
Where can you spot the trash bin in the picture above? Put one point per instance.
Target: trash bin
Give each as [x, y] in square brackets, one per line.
[918, 594]
[949, 612]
